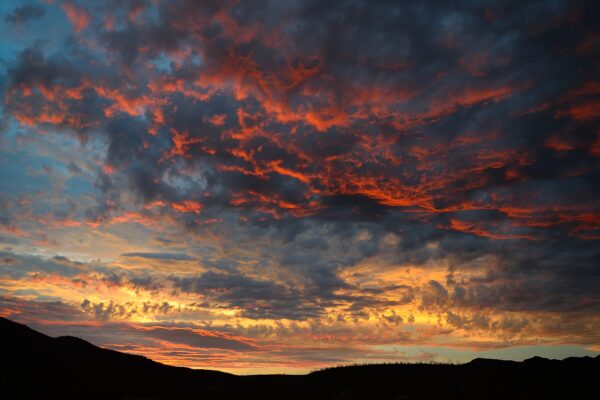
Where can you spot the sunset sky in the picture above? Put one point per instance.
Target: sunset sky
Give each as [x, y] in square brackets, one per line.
[280, 186]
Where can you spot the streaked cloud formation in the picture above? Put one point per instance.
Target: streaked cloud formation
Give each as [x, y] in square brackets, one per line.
[281, 186]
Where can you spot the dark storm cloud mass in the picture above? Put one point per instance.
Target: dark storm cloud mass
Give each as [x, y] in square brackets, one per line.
[477, 118]
[259, 298]
[309, 138]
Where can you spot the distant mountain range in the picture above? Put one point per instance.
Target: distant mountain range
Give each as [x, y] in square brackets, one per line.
[36, 366]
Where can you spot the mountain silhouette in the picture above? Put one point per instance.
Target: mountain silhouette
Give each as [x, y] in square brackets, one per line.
[36, 366]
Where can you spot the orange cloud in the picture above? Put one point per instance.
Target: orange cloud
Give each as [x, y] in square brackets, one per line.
[79, 16]
[187, 206]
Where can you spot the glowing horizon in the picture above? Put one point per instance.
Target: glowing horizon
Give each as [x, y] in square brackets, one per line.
[286, 186]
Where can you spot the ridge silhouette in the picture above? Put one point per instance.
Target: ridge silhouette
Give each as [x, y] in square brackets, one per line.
[36, 366]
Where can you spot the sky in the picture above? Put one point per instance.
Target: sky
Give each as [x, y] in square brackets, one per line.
[282, 186]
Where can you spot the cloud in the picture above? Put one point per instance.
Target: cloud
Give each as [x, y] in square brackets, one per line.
[254, 298]
[62, 314]
[24, 14]
[17, 265]
[195, 338]
[242, 163]
[79, 16]
[161, 256]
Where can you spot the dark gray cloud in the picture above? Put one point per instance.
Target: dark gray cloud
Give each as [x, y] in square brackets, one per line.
[255, 298]
[193, 338]
[19, 266]
[25, 14]
[161, 256]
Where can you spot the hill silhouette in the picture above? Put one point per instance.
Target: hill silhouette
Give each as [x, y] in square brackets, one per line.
[36, 366]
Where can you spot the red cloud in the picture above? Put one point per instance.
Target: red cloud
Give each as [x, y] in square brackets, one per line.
[79, 16]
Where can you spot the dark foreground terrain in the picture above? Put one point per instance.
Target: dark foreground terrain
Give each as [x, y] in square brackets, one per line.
[36, 366]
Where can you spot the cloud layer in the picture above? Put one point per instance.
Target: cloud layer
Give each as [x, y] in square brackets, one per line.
[332, 179]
